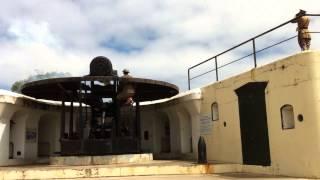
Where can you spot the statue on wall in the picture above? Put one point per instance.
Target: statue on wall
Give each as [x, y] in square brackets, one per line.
[304, 37]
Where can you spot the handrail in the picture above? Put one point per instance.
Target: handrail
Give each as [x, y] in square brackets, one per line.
[231, 62]
[254, 52]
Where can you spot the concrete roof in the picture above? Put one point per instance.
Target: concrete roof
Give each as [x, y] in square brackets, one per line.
[182, 95]
[12, 97]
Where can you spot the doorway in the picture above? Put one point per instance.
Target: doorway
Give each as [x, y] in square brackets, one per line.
[253, 124]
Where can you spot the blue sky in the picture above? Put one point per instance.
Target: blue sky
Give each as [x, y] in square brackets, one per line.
[154, 39]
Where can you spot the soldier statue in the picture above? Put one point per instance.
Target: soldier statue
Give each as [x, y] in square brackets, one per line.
[127, 90]
[304, 37]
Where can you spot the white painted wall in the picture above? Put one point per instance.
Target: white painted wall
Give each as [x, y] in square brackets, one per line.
[185, 131]
[6, 112]
[175, 131]
[294, 80]
[31, 148]
[18, 131]
[183, 118]
[24, 117]
[159, 131]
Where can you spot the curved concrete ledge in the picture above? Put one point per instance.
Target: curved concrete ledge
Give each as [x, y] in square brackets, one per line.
[100, 160]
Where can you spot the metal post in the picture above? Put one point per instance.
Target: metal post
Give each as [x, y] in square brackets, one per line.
[138, 133]
[92, 120]
[188, 79]
[80, 122]
[117, 111]
[216, 64]
[117, 117]
[86, 107]
[254, 53]
[63, 117]
[71, 119]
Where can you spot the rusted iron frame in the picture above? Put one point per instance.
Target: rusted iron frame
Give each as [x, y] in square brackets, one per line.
[117, 105]
[138, 129]
[71, 120]
[86, 107]
[63, 117]
[80, 119]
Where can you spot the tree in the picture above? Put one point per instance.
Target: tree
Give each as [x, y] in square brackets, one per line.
[16, 86]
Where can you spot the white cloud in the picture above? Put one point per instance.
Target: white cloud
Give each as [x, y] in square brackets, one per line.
[26, 32]
[168, 36]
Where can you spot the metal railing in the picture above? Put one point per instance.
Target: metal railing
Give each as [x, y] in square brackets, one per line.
[254, 51]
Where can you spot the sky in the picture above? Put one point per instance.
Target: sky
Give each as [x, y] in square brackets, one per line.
[156, 39]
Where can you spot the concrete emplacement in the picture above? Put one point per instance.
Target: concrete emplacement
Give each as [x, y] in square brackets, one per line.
[293, 151]
[104, 124]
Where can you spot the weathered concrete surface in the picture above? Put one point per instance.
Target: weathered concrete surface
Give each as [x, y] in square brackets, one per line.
[152, 169]
[95, 171]
[100, 160]
[200, 177]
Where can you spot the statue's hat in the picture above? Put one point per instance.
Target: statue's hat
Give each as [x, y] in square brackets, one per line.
[302, 12]
[126, 71]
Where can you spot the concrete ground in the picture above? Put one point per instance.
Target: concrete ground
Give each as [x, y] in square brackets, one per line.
[154, 170]
[198, 177]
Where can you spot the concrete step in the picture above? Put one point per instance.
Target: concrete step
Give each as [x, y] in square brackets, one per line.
[95, 171]
[152, 168]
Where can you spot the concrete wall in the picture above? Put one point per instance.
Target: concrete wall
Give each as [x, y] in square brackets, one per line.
[17, 133]
[182, 116]
[24, 115]
[293, 80]
[6, 114]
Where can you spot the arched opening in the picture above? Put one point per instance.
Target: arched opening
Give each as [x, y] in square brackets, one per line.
[214, 111]
[186, 132]
[17, 135]
[11, 145]
[287, 116]
[47, 133]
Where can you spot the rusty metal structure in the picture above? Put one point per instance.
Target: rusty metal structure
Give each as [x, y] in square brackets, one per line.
[93, 120]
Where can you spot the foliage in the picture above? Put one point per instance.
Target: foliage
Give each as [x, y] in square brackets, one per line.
[17, 86]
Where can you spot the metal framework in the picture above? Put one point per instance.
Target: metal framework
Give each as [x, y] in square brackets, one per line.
[101, 122]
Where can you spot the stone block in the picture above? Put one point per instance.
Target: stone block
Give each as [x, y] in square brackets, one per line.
[100, 160]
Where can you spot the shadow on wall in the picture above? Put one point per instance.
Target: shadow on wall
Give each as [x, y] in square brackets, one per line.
[165, 146]
[48, 135]
[16, 127]
[185, 131]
